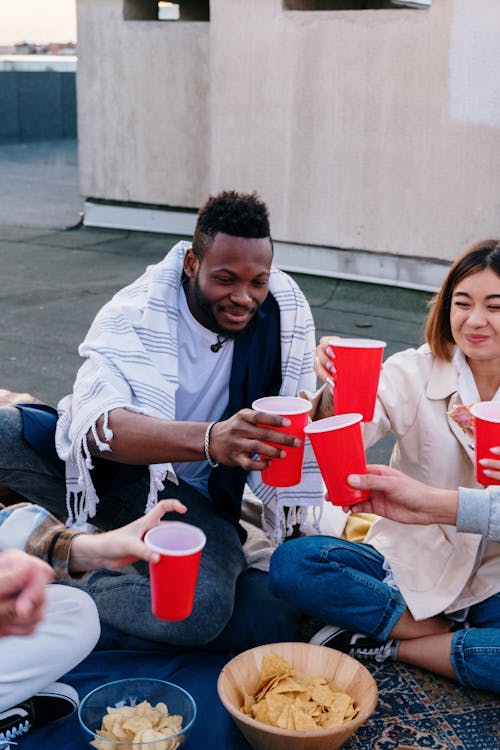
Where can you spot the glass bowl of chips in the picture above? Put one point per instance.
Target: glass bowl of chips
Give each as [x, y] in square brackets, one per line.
[297, 696]
[137, 714]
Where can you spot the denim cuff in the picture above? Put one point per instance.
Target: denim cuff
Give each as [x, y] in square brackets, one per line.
[457, 656]
[394, 609]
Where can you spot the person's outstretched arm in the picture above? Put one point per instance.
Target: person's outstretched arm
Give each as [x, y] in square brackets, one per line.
[140, 439]
[400, 498]
[71, 553]
[119, 547]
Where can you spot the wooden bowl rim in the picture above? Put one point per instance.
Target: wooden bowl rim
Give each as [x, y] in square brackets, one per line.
[354, 723]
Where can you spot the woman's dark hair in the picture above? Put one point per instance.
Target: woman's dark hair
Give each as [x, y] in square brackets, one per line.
[229, 212]
[477, 257]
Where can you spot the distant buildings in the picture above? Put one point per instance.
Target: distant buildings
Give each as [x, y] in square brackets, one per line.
[33, 48]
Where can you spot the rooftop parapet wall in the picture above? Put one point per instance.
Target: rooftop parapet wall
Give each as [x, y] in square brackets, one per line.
[37, 98]
[372, 130]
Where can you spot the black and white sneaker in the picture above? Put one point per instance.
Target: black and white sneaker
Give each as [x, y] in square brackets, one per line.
[57, 701]
[356, 644]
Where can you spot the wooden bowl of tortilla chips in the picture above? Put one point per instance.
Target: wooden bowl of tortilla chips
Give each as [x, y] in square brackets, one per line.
[297, 696]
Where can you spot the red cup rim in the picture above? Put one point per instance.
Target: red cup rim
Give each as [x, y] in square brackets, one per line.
[481, 406]
[333, 423]
[358, 343]
[175, 552]
[302, 405]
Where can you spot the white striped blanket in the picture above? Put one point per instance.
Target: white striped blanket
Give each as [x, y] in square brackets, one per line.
[131, 361]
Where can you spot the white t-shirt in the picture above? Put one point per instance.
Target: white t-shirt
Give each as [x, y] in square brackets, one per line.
[203, 392]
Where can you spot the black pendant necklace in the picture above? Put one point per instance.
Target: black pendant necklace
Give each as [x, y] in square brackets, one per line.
[218, 344]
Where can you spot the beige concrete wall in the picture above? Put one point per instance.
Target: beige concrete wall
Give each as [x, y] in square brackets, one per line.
[143, 107]
[374, 130]
[377, 130]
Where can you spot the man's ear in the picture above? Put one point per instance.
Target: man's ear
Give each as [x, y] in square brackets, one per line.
[191, 264]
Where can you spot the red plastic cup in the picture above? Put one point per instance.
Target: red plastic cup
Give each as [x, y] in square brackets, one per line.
[486, 435]
[285, 472]
[358, 363]
[173, 577]
[338, 446]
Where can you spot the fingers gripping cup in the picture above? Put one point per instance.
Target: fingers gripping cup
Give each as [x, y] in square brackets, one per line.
[173, 578]
[486, 435]
[287, 471]
[337, 443]
[358, 363]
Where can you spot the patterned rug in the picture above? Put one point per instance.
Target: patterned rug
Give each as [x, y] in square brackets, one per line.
[417, 710]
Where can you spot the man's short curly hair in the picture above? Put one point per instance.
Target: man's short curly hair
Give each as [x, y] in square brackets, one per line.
[229, 212]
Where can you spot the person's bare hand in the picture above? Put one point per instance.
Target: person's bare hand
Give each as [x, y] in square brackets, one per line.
[401, 498]
[491, 465]
[323, 364]
[23, 581]
[244, 440]
[119, 547]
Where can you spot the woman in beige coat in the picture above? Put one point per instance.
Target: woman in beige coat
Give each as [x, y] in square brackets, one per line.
[427, 595]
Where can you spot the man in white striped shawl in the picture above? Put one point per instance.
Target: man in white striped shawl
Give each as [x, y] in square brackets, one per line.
[161, 407]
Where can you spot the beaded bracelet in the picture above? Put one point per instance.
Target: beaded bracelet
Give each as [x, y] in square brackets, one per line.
[206, 446]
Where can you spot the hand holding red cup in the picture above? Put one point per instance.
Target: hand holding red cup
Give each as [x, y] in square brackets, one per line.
[287, 471]
[357, 365]
[337, 443]
[173, 578]
[486, 436]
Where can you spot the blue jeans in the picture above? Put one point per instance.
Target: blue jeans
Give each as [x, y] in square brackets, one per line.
[342, 583]
[123, 596]
[475, 653]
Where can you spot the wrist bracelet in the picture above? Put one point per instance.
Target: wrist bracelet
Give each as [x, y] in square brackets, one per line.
[206, 446]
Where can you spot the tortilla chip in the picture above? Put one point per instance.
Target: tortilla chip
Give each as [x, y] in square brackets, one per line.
[287, 684]
[302, 721]
[297, 701]
[272, 665]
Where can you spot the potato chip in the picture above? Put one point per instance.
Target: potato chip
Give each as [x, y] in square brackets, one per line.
[289, 699]
[136, 724]
[119, 732]
[171, 724]
[139, 724]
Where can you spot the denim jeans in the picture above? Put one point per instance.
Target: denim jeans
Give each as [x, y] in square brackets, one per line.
[342, 583]
[123, 596]
[475, 653]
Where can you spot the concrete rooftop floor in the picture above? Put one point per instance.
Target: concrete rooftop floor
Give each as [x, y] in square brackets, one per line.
[56, 274]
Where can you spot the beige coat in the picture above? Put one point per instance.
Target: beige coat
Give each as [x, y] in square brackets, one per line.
[436, 568]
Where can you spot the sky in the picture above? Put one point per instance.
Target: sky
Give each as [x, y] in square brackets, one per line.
[37, 21]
